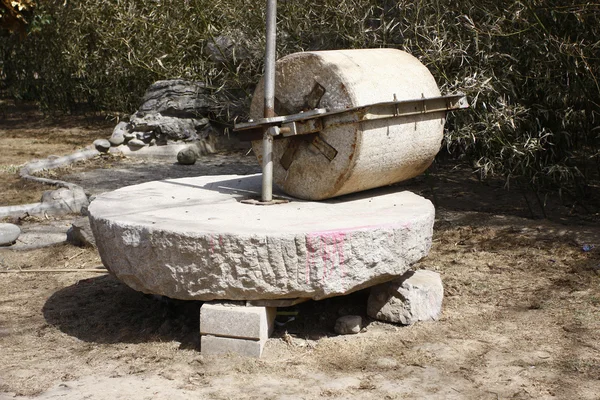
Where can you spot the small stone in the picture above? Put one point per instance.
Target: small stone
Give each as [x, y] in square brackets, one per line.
[102, 145]
[136, 143]
[80, 233]
[117, 139]
[118, 136]
[9, 234]
[129, 136]
[415, 296]
[187, 156]
[348, 324]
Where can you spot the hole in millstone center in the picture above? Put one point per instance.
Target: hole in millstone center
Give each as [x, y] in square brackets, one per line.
[257, 201]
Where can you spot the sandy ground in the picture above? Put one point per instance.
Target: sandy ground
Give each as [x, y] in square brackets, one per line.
[521, 314]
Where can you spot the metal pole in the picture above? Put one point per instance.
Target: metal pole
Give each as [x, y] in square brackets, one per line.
[267, 164]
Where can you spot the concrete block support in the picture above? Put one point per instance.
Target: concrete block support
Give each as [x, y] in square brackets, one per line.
[231, 327]
[223, 345]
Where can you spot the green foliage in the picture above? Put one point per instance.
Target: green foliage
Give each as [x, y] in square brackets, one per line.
[530, 68]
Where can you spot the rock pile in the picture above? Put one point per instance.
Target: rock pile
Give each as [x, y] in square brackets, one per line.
[172, 112]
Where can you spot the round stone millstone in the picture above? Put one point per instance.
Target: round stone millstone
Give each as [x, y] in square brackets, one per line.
[366, 155]
[193, 239]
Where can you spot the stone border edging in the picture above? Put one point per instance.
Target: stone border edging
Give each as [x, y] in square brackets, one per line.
[66, 200]
[72, 201]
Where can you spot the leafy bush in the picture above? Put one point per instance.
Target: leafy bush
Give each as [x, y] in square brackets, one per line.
[530, 68]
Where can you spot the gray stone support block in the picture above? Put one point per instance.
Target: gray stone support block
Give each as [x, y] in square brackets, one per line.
[236, 320]
[223, 345]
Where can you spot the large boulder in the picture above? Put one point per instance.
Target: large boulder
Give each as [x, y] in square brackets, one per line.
[177, 98]
[172, 111]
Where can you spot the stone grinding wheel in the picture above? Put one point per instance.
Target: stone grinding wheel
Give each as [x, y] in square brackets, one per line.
[366, 154]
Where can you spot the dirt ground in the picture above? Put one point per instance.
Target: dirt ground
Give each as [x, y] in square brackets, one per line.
[521, 313]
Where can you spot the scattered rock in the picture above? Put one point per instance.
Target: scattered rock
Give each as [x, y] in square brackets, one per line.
[102, 145]
[118, 135]
[80, 233]
[9, 233]
[129, 136]
[416, 296]
[190, 154]
[348, 324]
[136, 143]
[65, 200]
[187, 156]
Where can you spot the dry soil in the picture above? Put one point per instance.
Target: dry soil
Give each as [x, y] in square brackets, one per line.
[521, 314]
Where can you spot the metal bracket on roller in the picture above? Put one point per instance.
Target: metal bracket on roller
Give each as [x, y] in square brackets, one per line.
[315, 120]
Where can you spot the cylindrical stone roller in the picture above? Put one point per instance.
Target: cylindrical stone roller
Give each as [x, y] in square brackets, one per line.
[351, 157]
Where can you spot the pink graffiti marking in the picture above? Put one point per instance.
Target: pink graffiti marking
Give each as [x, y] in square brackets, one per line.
[329, 248]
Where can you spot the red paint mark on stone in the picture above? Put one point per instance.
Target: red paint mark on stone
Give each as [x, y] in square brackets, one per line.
[329, 248]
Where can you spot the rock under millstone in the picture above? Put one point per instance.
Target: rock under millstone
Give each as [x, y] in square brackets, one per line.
[80, 233]
[9, 233]
[416, 296]
[348, 324]
[193, 239]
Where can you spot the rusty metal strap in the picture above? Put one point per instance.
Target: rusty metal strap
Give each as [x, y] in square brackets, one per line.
[314, 120]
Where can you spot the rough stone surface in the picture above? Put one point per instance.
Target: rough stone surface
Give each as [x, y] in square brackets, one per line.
[369, 154]
[223, 345]
[177, 98]
[65, 200]
[102, 145]
[348, 324]
[166, 127]
[80, 233]
[9, 233]
[237, 320]
[192, 238]
[416, 296]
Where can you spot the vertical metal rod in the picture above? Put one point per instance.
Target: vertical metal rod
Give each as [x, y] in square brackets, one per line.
[267, 164]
